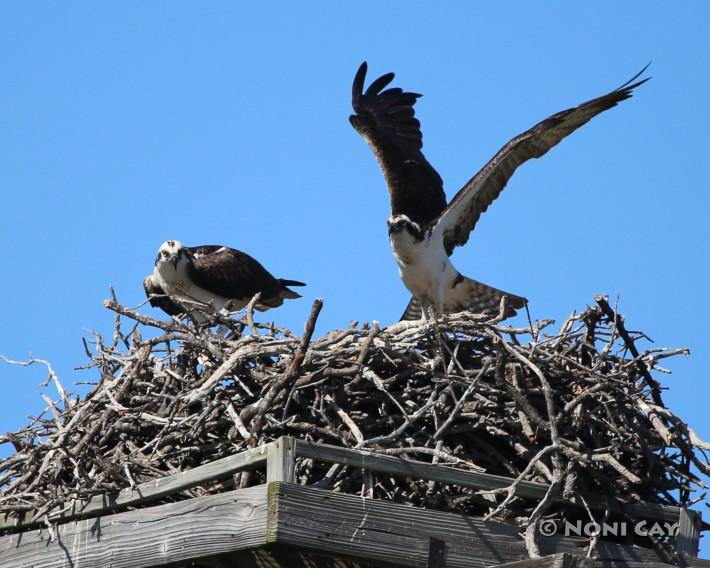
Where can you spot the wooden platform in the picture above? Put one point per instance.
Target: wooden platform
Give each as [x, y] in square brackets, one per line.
[284, 524]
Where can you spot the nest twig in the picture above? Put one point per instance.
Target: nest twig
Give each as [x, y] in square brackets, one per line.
[576, 409]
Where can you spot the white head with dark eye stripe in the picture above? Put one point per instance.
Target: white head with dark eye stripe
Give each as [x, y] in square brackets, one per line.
[399, 223]
[170, 252]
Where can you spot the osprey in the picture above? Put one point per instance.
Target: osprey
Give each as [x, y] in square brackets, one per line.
[423, 228]
[211, 275]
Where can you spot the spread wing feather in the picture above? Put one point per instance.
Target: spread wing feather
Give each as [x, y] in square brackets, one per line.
[385, 119]
[464, 210]
[231, 273]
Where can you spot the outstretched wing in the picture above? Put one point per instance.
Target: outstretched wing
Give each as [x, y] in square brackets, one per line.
[461, 215]
[231, 273]
[385, 118]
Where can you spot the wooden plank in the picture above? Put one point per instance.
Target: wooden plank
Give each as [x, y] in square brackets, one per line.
[152, 490]
[611, 554]
[636, 564]
[281, 460]
[443, 474]
[562, 560]
[362, 532]
[223, 468]
[175, 532]
[383, 532]
[279, 557]
[688, 537]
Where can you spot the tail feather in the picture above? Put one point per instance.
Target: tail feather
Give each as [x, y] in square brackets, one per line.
[476, 297]
[283, 294]
[473, 296]
[289, 294]
[286, 292]
[413, 311]
[285, 283]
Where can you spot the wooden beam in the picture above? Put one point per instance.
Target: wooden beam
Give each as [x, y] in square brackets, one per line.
[371, 530]
[613, 555]
[155, 536]
[152, 490]
[687, 540]
[279, 557]
[318, 522]
[437, 553]
[377, 531]
[281, 460]
[562, 560]
[281, 457]
[444, 474]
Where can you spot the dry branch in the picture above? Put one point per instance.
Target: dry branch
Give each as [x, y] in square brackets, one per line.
[577, 409]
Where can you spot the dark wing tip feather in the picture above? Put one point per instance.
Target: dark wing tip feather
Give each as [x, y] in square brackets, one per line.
[375, 87]
[375, 92]
[623, 92]
[285, 282]
[604, 102]
[380, 83]
[628, 86]
[385, 112]
[359, 82]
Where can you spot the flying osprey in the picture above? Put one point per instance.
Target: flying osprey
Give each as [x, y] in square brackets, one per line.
[423, 228]
[185, 279]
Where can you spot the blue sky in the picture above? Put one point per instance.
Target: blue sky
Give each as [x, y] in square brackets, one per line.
[129, 123]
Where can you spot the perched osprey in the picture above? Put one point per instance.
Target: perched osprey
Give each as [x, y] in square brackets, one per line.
[218, 276]
[423, 228]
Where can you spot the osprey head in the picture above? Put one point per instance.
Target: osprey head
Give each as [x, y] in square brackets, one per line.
[399, 223]
[172, 252]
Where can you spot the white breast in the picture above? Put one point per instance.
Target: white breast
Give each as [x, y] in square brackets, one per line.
[176, 283]
[423, 265]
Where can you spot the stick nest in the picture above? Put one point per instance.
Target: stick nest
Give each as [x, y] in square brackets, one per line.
[576, 409]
